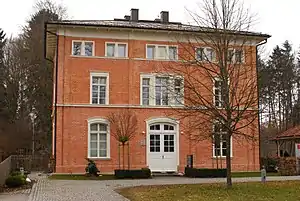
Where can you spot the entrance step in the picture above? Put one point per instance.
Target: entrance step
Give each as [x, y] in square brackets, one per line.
[166, 174]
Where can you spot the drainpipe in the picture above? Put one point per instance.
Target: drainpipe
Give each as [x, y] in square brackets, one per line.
[56, 80]
[262, 43]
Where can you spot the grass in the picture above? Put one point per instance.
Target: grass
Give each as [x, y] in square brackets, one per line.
[111, 177]
[270, 191]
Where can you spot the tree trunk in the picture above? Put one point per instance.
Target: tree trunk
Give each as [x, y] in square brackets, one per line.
[119, 150]
[123, 150]
[228, 160]
[128, 156]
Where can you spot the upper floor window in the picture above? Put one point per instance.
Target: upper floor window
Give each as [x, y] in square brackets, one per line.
[163, 52]
[205, 54]
[83, 48]
[235, 56]
[116, 50]
[99, 88]
[218, 95]
[161, 90]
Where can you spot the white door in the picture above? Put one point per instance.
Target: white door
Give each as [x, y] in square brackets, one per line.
[162, 155]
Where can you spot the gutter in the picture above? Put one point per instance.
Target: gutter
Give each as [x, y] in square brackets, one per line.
[56, 81]
[258, 102]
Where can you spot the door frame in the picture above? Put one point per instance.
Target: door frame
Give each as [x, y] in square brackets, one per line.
[161, 120]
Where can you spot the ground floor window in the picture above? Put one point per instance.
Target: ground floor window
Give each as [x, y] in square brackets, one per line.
[98, 140]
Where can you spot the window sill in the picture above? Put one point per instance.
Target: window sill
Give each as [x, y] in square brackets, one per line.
[221, 157]
[98, 57]
[147, 59]
[99, 159]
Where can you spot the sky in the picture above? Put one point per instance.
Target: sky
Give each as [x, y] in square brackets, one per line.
[275, 17]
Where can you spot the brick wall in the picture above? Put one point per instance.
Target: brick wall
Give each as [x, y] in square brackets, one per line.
[124, 88]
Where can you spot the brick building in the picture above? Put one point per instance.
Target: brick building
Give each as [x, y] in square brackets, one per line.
[106, 66]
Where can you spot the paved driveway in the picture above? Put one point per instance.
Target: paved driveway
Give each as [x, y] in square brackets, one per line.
[58, 190]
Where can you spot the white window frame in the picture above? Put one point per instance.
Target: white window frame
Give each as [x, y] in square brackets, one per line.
[221, 145]
[233, 60]
[152, 92]
[214, 97]
[167, 58]
[107, 87]
[205, 52]
[82, 50]
[116, 49]
[99, 121]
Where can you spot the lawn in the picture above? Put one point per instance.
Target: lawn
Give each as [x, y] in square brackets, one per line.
[110, 177]
[271, 191]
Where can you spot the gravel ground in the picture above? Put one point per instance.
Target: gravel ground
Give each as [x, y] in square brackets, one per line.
[60, 190]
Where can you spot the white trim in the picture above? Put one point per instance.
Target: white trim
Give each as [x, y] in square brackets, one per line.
[167, 58]
[152, 94]
[134, 34]
[94, 74]
[214, 154]
[100, 121]
[233, 59]
[82, 50]
[116, 49]
[213, 145]
[205, 53]
[160, 120]
[100, 57]
[132, 106]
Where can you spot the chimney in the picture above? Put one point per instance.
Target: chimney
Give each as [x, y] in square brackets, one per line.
[134, 15]
[164, 17]
[127, 17]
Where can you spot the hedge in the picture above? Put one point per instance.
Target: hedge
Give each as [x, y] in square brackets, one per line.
[143, 173]
[205, 173]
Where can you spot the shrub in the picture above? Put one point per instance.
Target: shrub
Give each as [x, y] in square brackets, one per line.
[15, 181]
[205, 173]
[15, 173]
[91, 168]
[143, 173]
[271, 164]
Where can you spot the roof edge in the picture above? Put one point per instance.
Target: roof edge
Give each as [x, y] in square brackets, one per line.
[252, 34]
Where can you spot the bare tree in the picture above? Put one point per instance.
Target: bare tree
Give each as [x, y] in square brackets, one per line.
[123, 126]
[218, 72]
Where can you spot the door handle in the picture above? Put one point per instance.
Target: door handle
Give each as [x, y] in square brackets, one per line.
[163, 156]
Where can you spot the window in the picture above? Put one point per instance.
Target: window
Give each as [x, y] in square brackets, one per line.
[163, 52]
[205, 54]
[98, 146]
[116, 50]
[219, 140]
[160, 90]
[173, 53]
[235, 55]
[199, 54]
[146, 91]
[178, 91]
[150, 51]
[209, 54]
[218, 98]
[99, 88]
[238, 56]
[83, 48]
[230, 54]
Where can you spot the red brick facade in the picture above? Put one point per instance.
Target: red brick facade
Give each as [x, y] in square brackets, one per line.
[74, 109]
